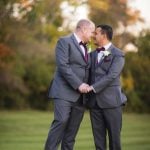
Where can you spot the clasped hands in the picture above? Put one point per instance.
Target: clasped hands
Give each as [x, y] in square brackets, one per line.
[85, 88]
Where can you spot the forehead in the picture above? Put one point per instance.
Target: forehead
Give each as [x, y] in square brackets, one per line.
[98, 30]
[92, 27]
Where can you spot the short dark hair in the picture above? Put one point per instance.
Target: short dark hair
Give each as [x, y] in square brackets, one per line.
[106, 29]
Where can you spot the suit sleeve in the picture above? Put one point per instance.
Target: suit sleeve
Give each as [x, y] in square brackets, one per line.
[62, 60]
[113, 73]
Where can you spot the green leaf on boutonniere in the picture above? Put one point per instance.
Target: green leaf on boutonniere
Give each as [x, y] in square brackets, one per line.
[89, 46]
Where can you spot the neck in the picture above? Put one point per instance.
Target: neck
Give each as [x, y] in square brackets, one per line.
[104, 43]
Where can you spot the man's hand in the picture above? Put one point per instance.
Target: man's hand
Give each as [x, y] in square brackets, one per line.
[89, 89]
[83, 88]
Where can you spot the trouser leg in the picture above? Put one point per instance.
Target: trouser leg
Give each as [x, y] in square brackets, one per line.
[113, 118]
[98, 128]
[73, 125]
[62, 111]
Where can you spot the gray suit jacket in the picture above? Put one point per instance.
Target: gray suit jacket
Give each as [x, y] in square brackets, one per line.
[105, 78]
[71, 71]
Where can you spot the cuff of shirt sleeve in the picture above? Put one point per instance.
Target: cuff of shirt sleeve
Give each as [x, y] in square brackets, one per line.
[93, 89]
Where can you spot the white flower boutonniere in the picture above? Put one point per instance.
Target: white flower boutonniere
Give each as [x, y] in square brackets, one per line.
[106, 53]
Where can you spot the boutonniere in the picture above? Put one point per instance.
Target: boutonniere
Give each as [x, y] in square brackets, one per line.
[106, 53]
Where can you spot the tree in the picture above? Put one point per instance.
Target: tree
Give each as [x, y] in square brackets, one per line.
[136, 75]
[118, 14]
[142, 72]
[28, 63]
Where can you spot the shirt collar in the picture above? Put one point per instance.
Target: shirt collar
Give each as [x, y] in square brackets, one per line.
[107, 46]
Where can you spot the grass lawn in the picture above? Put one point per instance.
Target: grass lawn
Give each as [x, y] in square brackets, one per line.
[27, 130]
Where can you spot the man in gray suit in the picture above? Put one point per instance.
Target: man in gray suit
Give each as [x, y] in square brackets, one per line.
[69, 83]
[106, 98]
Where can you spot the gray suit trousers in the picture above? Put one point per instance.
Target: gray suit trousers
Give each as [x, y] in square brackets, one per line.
[106, 121]
[67, 119]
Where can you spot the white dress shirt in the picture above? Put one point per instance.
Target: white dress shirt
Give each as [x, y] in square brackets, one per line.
[79, 40]
[100, 54]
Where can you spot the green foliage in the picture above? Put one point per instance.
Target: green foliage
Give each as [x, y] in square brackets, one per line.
[37, 78]
[24, 76]
[143, 43]
[136, 75]
[27, 56]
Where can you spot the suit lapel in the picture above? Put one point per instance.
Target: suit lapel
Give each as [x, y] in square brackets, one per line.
[78, 47]
[100, 62]
[102, 59]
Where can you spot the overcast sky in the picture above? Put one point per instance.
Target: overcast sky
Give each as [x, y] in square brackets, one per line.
[144, 7]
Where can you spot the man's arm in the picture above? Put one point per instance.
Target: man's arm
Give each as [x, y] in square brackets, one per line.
[62, 60]
[113, 73]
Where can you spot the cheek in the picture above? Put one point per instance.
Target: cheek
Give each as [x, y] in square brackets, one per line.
[88, 35]
[97, 38]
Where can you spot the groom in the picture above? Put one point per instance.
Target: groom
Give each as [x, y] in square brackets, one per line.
[69, 83]
[106, 98]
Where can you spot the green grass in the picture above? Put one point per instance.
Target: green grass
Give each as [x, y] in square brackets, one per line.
[27, 130]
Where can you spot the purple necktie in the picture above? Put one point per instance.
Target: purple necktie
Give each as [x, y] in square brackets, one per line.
[85, 49]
